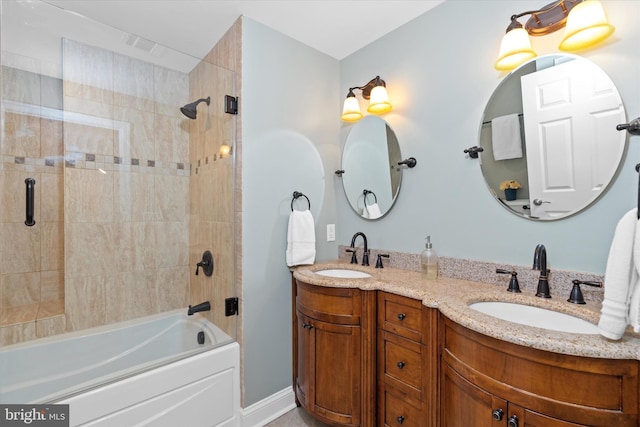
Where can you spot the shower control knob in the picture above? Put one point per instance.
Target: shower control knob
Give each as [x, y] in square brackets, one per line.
[206, 264]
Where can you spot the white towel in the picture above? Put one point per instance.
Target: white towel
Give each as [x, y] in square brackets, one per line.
[505, 137]
[620, 278]
[301, 239]
[634, 303]
[371, 211]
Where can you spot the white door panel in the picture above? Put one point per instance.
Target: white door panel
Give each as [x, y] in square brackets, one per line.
[564, 106]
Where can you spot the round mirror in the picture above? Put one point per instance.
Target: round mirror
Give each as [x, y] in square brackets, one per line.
[549, 136]
[372, 176]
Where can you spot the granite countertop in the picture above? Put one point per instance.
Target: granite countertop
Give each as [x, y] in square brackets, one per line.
[452, 297]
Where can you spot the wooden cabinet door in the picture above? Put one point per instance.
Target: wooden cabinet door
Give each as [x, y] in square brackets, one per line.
[337, 394]
[462, 404]
[305, 360]
[527, 418]
[328, 381]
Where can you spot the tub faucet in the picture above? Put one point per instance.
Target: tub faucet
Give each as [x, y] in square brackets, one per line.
[203, 306]
[365, 255]
[540, 263]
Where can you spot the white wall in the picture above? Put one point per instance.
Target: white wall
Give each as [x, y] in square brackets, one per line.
[439, 74]
[290, 143]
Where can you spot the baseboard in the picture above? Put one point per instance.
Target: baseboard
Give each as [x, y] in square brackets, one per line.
[268, 409]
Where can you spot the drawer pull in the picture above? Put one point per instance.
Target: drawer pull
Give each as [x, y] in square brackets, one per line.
[497, 414]
[401, 364]
[513, 421]
[307, 326]
[401, 316]
[400, 419]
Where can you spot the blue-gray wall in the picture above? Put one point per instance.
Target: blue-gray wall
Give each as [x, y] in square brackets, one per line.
[439, 74]
[290, 143]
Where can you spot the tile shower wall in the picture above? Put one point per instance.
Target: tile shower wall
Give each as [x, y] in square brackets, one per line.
[126, 187]
[123, 210]
[31, 258]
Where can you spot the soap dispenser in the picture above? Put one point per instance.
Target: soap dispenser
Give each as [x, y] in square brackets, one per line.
[429, 261]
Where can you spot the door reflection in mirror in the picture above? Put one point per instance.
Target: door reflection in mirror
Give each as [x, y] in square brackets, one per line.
[571, 148]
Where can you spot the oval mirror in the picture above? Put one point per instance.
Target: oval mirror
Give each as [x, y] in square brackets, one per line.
[372, 176]
[549, 130]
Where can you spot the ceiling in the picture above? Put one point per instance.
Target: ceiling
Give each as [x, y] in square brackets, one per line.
[335, 27]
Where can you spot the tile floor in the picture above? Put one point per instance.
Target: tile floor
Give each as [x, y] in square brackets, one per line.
[296, 418]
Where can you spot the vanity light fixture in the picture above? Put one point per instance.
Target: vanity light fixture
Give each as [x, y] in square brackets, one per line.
[585, 21]
[375, 91]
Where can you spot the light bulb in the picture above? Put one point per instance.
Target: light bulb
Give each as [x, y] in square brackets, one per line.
[586, 25]
[351, 110]
[379, 101]
[515, 49]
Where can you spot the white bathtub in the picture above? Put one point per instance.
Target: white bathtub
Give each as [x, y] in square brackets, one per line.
[150, 371]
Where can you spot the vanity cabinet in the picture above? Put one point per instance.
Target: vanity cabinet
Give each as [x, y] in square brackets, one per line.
[489, 382]
[407, 362]
[334, 349]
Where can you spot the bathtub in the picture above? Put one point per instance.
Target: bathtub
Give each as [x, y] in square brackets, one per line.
[149, 371]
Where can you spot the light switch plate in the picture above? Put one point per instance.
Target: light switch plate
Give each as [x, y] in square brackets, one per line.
[331, 232]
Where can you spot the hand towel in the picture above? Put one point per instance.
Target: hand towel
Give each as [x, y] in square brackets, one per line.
[505, 137]
[619, 279]
[371, 211]
[634, 303]
[301, 239]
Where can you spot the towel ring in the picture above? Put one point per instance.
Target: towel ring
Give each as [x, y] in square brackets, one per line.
[366, 193]
[297, 194]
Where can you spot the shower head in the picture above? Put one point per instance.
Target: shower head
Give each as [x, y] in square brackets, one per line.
[190, 111]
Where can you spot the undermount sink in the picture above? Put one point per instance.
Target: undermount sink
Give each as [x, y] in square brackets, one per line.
[343, 273]
[535, 316]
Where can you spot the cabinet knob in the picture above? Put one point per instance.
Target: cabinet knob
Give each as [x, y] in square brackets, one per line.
[513, 421]
[307, 326]
[401, 364]
[497, 414]
[400, 419]
[401, 316]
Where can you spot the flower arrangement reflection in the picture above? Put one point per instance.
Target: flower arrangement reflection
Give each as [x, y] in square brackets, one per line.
[510, 184]
[510, 188]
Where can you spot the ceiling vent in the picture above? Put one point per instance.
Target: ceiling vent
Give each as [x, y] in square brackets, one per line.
[141, 43]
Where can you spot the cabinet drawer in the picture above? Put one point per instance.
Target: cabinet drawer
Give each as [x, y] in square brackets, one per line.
[334, 305]
[400, 315]
[403, 363]
[399, 413]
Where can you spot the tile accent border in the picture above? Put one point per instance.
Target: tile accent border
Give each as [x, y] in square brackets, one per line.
[79, 160]
[204, 162]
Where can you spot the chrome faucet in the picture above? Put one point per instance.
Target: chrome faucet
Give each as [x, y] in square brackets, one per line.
[365, 255]
[540, 263]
